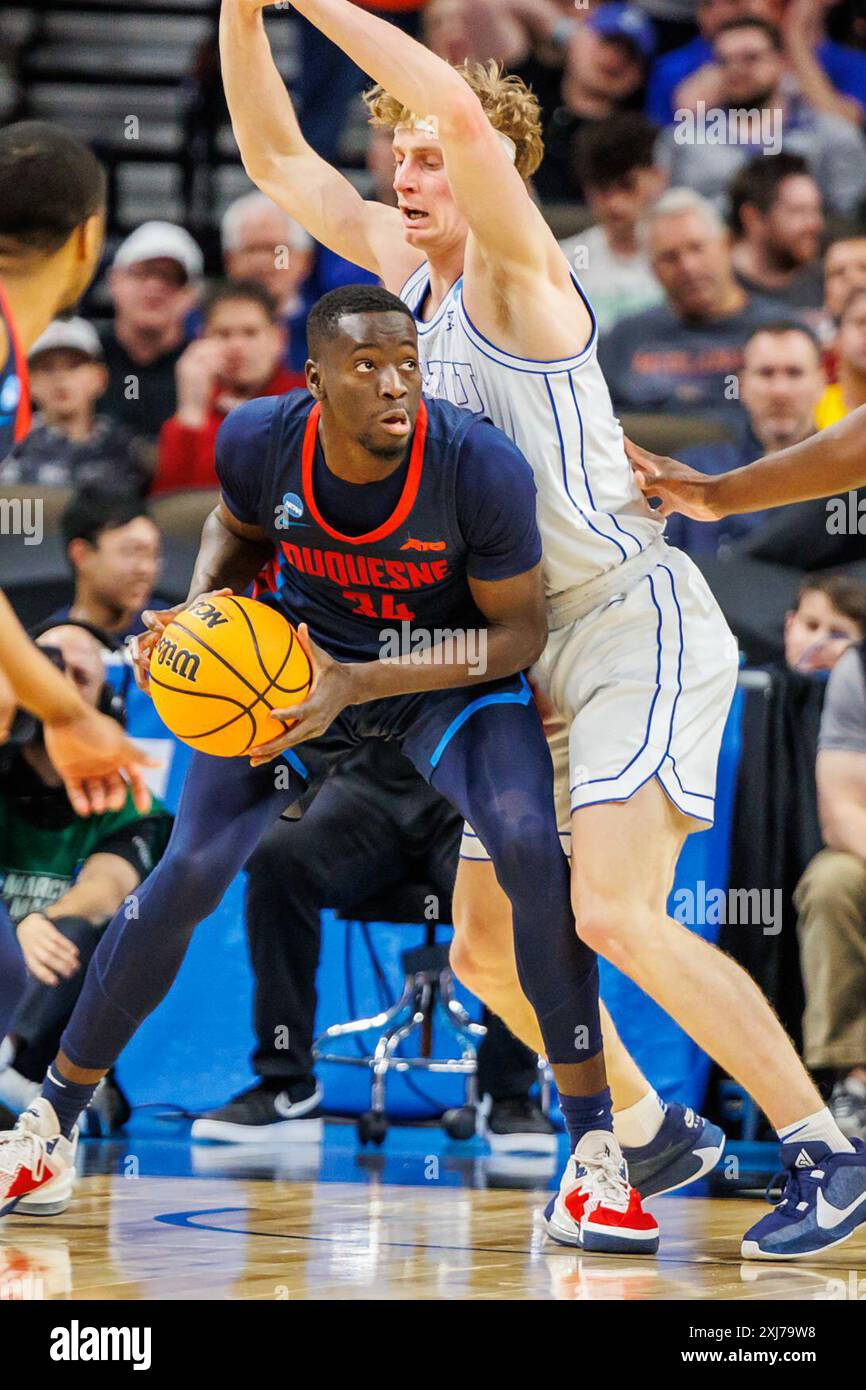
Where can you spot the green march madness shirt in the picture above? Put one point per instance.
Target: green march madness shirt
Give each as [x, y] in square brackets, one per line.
[38, 863]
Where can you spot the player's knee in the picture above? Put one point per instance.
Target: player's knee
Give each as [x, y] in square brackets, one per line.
[528, 854]
[475, 963]
[607, 927]
[191, 882]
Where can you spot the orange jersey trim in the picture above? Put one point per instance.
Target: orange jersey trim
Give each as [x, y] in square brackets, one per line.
[23, 416]
[410, 487]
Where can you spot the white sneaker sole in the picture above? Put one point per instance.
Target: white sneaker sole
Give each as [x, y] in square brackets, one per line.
[751, 1250]
[281, 1132]
[544, 1145]
[49, 1200]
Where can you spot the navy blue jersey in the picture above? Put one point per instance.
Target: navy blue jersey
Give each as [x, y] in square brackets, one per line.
[14, 384]
[461, 504]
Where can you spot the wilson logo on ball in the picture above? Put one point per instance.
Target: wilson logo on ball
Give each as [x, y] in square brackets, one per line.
[177, 659]
[221, 668]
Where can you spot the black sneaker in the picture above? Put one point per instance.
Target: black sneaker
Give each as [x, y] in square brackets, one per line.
[518, 1125]
[108, 1111]
[262, 1115]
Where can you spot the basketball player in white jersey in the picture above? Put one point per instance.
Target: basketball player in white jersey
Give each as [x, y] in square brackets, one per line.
[640, 666]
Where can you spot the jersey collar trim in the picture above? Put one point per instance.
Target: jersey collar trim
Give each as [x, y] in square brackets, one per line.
[410, 487]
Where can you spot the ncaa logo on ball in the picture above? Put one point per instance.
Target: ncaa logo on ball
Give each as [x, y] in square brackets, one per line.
[291, 509]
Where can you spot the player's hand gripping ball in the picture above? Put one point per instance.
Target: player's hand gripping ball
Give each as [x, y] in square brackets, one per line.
[220, 668]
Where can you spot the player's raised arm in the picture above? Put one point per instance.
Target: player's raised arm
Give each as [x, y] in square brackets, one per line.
[831, 461]
[481, 173]
[278, 159]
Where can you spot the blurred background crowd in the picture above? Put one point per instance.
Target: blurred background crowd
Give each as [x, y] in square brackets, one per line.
[728, 279]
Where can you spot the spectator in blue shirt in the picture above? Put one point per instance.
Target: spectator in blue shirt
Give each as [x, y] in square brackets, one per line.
[831, 76]
[780, 384]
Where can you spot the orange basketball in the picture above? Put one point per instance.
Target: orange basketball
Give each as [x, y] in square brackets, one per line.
[218, 670]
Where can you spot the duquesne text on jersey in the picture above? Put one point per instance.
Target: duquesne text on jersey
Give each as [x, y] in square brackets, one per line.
[371, 571]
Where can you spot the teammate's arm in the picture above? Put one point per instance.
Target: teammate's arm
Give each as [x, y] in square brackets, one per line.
[278, 159]
[231, 554]
[97, 762]
[482, 177]
[831, 461]
[513, 640]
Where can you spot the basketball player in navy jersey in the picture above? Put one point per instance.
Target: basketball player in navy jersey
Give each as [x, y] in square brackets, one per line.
[390, 514]
[640, 665]
[52, 200]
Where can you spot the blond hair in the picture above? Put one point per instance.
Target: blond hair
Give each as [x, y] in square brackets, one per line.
[510, 106]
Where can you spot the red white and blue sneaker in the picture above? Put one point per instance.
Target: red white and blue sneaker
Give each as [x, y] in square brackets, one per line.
[596, 1208]
[823, 1202]
[686, 1148]
[37, 1165]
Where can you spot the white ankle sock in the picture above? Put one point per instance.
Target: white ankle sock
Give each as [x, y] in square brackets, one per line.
[819, 1127]
[639, 1124]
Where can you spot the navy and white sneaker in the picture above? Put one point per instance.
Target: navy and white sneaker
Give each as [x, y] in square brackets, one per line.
[686, 1148]
[822, 1203]
[261, 1115]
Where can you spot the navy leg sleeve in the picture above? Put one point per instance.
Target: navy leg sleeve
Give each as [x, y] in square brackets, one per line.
[13, 973]
[225, 808]
[497, 771]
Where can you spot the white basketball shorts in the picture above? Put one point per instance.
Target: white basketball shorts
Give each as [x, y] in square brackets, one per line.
[641, 684]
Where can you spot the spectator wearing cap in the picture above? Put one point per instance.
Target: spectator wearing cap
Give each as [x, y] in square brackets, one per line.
[261, 242]
[606, 65]
[615, 163]
[832, 75]
[70, 443]
[237, 359]
[780, 385]
[777, 219]
[113, 548]
[849, 390]
[153, 282]
[683, 357]
[750, 57]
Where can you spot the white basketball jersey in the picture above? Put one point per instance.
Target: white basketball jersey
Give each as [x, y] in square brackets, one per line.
[591, 515]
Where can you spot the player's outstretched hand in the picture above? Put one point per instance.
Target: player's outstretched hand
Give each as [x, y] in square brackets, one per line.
[678, 487]
[48, 954]
[156, 620]
[330, 692]
[98, 763]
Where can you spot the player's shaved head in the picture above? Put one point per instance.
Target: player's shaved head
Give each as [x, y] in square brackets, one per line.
[325, 323]
[50, 183]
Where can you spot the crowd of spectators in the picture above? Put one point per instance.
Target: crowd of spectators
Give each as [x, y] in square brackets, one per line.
[705, 167]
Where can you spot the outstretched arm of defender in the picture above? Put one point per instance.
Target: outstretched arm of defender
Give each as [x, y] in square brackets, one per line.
[831, 461]
[481, 175]
[278, 159]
